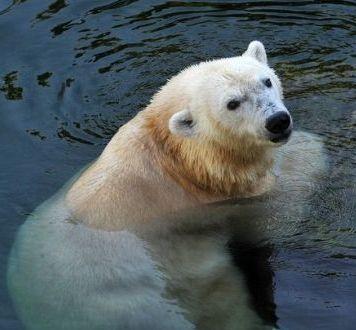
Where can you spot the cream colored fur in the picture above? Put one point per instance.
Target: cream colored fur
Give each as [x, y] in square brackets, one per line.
[129, 244]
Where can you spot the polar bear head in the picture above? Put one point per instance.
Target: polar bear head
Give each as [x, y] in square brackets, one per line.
[231, 99]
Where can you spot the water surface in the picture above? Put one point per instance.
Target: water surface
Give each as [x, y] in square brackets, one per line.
[72, 72]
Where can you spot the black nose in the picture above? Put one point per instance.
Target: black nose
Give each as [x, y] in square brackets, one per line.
[278, 122]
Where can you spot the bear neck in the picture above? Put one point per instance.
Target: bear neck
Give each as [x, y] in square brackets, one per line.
[209, 170]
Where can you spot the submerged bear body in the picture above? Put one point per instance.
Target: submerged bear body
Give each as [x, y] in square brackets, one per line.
[131, 243]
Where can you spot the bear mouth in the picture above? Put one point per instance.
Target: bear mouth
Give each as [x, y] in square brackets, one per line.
[280, 137]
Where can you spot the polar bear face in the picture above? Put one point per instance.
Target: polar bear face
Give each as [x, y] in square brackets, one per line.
[239, 97]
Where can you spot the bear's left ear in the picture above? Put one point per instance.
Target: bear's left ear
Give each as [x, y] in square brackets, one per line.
[256, 50]
[182, 123]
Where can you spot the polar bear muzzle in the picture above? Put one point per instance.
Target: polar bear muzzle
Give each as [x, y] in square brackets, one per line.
[279, 126]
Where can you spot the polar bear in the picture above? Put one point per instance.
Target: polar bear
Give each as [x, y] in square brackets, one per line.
[132, 242]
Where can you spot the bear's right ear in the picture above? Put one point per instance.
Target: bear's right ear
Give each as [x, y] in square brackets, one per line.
[182, 123]
[257, 51]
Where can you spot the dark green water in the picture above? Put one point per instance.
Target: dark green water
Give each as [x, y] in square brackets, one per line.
[73, 71]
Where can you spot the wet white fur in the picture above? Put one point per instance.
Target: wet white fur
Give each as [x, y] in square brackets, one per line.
[64, 275]
[219, 81]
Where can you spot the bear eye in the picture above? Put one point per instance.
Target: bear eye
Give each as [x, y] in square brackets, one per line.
[268, 82]
[233, 104]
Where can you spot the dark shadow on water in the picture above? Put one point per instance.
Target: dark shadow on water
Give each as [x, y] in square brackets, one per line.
[254, 262]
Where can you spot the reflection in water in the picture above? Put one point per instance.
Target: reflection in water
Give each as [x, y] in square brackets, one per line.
[5, 6]
[108, 57]
[43, 79]
[101, 279]
[11, 91]
[161, 279]
[52, 9]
